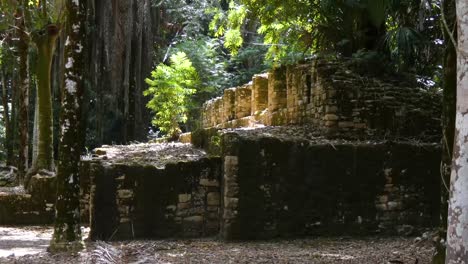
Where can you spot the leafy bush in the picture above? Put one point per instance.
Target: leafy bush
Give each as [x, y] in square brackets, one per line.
[171, 87]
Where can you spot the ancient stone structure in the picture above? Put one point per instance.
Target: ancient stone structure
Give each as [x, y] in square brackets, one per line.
[332, 97]
[362, 158]
[276, 187]
[153, 190]
[259, 100]
[348, 153]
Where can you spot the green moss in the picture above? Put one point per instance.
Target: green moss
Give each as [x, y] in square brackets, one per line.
[208, 139]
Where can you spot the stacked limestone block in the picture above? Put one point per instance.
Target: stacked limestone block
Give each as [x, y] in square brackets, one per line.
[299, 88]
[243, 101]
[229, 105]
[124, 199]
[199, 209]
[218, 110]
[230, 223]
[347, 102]
[277, 97]
[323, 112]
[207, 112]
[260, 97]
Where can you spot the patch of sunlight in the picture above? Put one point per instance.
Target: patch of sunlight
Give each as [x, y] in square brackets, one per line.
[335, 256]
[25, 234]
[19, 252]
[28, 240]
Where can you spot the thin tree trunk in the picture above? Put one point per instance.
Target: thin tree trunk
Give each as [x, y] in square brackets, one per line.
[35, 133]
[67, 234]
[14, 117]
[23, 94]
[448, 128]
[457, 232]
[45, 42]
[6, 119]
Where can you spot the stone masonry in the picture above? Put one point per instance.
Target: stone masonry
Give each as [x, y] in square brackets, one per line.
[148, 200]
[283, 188]
[331, 96]
[328, 151]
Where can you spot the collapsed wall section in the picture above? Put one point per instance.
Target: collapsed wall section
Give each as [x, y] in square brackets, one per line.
[36, 205]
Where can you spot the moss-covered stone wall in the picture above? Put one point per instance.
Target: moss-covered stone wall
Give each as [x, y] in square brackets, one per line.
[36, 205]
[142, 201]
[279, 188]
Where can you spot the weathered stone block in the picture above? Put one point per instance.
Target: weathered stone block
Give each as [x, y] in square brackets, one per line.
[213, 199]
[331, 117]
[185, 197]
[209, 182]
[231, 203]
[259, 93]
[194, 219]
[243, 101]
[229, 105]
[277, 91]
[125, 194]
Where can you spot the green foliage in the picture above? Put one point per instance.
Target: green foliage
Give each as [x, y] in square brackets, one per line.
[170, 88]
[42, 13]
[207, 57]
[217, 67]
[295, 29]
[249, 61]
[189, 16]
[230, 25]
[403, 44]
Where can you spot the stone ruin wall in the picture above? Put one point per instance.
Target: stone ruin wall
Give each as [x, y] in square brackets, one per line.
[36, 206]
[266, 187]
[142, 201]
[331, 97]
[283, 188]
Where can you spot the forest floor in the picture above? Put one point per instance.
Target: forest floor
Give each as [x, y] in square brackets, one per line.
[29, 244]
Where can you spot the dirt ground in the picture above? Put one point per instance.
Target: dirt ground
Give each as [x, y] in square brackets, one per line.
[28, 245]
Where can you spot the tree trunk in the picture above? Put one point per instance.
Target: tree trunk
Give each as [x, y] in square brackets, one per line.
[35, 133]
[6, 119]
[23, 94]
[448, 128]
[45, 42]
[457, 232]
[121, 48]
[14, 117]
[67, 234]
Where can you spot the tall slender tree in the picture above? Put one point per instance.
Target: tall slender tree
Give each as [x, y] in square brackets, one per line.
[6, 119]
[448, 122]
[67, 234]
[45, 40]
[23, 88]
[457, 232]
